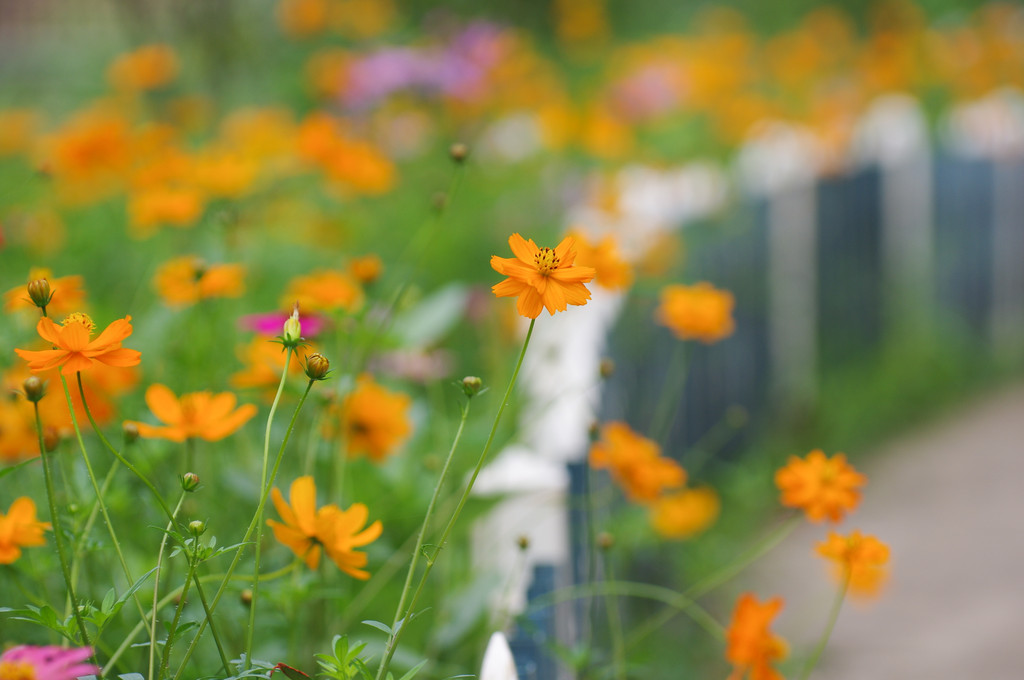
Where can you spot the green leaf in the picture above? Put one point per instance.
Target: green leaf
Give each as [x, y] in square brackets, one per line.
[9, 470]
[379, 626]
[413, 671]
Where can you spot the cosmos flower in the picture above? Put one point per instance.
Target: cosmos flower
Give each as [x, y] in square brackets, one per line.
[186, 280]
[74, 351]
[699, 312]
[635, 463]
[684, 514]
[750, 647]
[861, 559]
[374, 420]
[822, 487]
[309, 531]
[205, 415]
[19, 529]
[542, 277]
[45, 663]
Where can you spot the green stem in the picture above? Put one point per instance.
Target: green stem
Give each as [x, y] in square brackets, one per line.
[259, 524]
[117, 454]
[165, 661]
[58, 533]
[83, 535]
[96, 488]
[156, 584]
[832, 618]
[213, 629]
[672, 391]
[248, 533]
[406, 589]
[615, 626]
[396, 632]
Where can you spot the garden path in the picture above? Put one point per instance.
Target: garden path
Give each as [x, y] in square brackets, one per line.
[949, 501]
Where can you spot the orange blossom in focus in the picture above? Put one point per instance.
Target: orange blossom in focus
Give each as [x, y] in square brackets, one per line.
[542, 277]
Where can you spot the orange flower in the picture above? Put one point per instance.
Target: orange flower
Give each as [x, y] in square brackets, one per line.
[612, 272]
[821, 487]
[90, 155]
[164, 206]
[148, 68]
[366, 269]
[68, 294]
[750, 646]
[686, 513]
[308, 531]
[542, 277]
[859, 558]
[74, 351]
[17, 130]
[303, 18]
[374, 420]
[635, 463]
[324, 290]
[186, 280]
[197, 414]
[19, 529]
[701, 312]
[264, 360]
[18, 439]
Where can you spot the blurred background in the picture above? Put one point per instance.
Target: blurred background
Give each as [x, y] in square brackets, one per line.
[852, 172]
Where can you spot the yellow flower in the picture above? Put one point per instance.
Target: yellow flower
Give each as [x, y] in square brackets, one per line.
[822, 487]
[374, 420]
[701, 312]
[685, 513]
[542, 277]
[635, 463]
[309, 531]
[859, 558]
[19, 529]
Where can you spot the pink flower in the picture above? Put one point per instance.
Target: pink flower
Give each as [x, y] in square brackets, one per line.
[271, 323]
[46, 663]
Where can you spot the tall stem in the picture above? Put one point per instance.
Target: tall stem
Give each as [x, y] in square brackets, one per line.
[58, 533]
[672, 391]
[396, 632]
[156, 584]
[827, 633]
[259, 524]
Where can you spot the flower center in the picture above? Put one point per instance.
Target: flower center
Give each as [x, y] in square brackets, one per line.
[85, 320]
[546, 260]
[16, 670]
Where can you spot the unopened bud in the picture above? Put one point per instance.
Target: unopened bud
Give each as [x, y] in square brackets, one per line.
[197, 527]
[292, 332]
[607, 368]
[523, 542]
[471, 385]
[34, 388]
[246, 597]
[131, 432]
[605, 541]
[317, 366]
[51, 438]
[39, 293]
[189, 482]
[458, 152]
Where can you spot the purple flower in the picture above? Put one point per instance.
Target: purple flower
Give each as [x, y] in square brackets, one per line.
[271, 323]
[46, 663]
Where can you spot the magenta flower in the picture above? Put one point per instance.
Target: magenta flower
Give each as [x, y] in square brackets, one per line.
[45, 663]
[272, 322]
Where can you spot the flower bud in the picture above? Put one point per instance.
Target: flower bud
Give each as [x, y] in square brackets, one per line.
[131, 433]
[523, 542]
[605, 541]
[292, 332]
[34, 388]
[197, 527]
[471, 385]
[39, 293]
[458, 152]
[317, 366]
[246, 597]
[607, 368]
[189, 482]
[51, 438]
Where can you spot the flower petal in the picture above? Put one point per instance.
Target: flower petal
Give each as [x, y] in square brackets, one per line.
[164, 405]
[117, 331]
[523, 249]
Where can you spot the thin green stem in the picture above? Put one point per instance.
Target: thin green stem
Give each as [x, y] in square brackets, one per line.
[396, 632]
[615, 626]
[672, 390]
[83, 535]
[58, 533]
[96, 488]
[156, 583]
[827, 633]
[248, 533]
[165, 660]
[406, 589]
[117, 454]
[259, 524]
[213, 629]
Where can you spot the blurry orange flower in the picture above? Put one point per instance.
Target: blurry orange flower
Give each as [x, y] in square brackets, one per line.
[198, 414]
[542, 277]
[324, 290]
[374, 421]
[635, 463]
[612, 272]
[700, 312]
[68, 294]
[164, 206]
[685, 513]
[147, 68]
[325, 72]
[223, 173]
[18, 438]
[750, 647]
[303, 18]
[822, 487]
[264, 360]
[17, 130]
[73, 349]
[308, 531]
[362, 18]
[186, 280]
[19, 529]
[90, 155]
[366, 269]
[361, 167]
[859, 558]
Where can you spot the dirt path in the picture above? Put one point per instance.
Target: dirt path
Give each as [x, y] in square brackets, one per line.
[949, 501]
